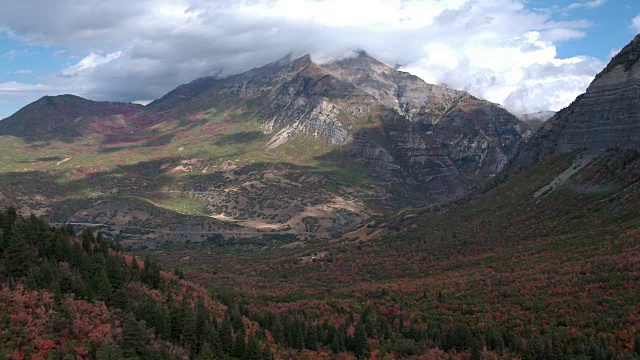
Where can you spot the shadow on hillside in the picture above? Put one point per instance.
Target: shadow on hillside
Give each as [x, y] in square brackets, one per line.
[68, 192]
[239, 138]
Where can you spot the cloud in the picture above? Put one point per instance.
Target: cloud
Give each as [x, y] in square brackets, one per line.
[23, 71]
[495, 49]
[88, 63]
[13, 53]
[592, 4]
[12, 87]
[635, 23]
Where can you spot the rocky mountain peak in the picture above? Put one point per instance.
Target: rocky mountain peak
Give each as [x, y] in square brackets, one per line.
[623, 68]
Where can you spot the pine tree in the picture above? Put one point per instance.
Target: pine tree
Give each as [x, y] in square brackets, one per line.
[277, 331]
[202, 318]
[360, 341]
[103, 287]
[189, 335]
[253, 352]
[133, 337]
[207, 353]
[240, 344]
[87, 239]
[120, 299]
[18, 255]
[226, 337]
[109, 352]
[213, 339]
[135, 269]
[476, 350]
[336, 343]
[162, 326]
[311, 338]
[297, 335]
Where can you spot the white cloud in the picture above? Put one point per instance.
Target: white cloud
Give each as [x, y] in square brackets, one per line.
[495, 49]
[592, 4]
[13, 53]
[635, 23]
[90, 62]
[23, 71]
[16, 87]
[613, 52]
[142, 102]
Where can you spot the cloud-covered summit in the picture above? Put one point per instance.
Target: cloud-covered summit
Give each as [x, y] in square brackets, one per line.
[122, 50]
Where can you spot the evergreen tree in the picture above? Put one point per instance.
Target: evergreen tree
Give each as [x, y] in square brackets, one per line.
[253, 352]
[459, 338]
[162, 325]
[120, 299]
[135, 270]
[360, 341]
[311, 338]
[277, 331]
[337, 344]
[87, 239]
[297, 335]
[202, 318]
[189, 336]
[207, 353]
[240, 345]
[109, 352]
[213, 339]
[18, 256]
[226, 338]
[494, 340]
[133, 337]
[103, 287]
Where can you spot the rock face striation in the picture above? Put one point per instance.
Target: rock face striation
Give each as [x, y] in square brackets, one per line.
[606, 116]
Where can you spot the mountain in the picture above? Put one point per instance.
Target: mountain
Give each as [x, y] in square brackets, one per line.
[293, 147]
[52, 112]
[408, 130]
[242, 177]
[606, 116]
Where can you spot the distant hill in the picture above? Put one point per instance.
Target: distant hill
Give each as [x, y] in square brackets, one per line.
[51, 112]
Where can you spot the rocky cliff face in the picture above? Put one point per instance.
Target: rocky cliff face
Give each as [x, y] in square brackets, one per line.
[606, 116]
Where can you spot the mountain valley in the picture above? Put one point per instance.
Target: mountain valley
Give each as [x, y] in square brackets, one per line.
[306, 210]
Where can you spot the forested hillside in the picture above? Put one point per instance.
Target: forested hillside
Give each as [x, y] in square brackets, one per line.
[69, 297]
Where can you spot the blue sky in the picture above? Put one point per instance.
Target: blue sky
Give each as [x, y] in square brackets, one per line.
[542, 53]
[609, 29]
